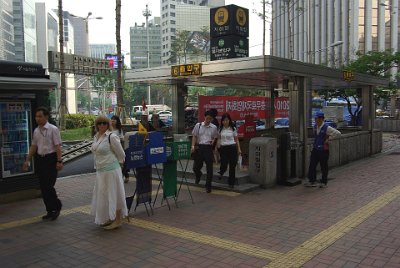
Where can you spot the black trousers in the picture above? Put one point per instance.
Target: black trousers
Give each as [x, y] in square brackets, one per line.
[229, 157]
[322, 158]
[204, 154]
[47, 172]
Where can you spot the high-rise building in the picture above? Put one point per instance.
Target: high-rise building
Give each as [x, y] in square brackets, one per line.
[100, 50]
[81, 35]
[183, 15]
[25, 30]
[47, 33]
[138, 44]
[6, 30]
[331, 32]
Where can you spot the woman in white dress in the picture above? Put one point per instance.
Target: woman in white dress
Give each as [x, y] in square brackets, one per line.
[108, 203]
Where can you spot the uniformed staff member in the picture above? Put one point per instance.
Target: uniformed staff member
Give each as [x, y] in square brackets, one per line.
[320, 151]
[46, 148]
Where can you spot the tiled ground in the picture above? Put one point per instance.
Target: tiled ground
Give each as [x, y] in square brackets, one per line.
[355, 222]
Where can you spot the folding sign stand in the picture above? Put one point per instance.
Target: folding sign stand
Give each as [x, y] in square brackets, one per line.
[155, 154]
[184, 179]
[158, 188]
[169, 182]
[135, 159]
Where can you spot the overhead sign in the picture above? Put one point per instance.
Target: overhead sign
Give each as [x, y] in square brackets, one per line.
[227, 47]
[348, 75]
[186, 70]
[77, 64]
[229, 20]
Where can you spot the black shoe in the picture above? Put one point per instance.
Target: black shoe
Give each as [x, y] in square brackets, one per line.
[197, 180]
[54, 215]
[219, 176]
[47, 216]
[208, 190]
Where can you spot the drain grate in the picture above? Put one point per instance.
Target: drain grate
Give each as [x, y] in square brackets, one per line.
[395, 153]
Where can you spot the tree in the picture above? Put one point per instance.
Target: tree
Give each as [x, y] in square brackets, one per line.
[188, 44]
[62, 110]
[120, 90]
[374, 63]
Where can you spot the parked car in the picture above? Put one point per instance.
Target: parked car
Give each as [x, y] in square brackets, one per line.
[164, 115]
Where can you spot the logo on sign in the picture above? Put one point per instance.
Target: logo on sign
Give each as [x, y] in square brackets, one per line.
[157, 150]
[221, 16]
[241, 17]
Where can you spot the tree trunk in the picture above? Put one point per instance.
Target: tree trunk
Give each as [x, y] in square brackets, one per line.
[62, 109]
[120, 96]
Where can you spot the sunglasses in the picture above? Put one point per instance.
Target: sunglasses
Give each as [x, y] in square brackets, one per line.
[102, 123]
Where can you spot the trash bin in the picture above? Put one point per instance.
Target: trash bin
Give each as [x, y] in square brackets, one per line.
[262, 161]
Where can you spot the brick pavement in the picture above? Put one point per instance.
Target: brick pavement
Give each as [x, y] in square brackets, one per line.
[355, 222]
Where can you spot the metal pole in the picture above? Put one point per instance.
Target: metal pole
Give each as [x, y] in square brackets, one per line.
[309, 32]
[147, 14]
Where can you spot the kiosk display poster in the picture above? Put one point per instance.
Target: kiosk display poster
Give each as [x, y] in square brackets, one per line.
[15, 135]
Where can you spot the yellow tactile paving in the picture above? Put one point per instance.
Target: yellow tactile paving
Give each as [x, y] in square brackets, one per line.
[312, 247]
[17, 223]
[294, 258]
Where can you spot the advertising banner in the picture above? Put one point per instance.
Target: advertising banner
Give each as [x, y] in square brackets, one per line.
[240, 107]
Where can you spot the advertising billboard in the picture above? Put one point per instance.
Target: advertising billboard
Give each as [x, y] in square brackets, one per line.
[240, 107]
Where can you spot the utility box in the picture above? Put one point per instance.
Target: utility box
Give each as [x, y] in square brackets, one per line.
[262, 161]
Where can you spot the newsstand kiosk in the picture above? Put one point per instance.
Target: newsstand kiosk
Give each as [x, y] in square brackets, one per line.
[23, 88]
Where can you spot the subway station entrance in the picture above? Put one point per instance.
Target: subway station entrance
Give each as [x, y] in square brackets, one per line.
[298, 80]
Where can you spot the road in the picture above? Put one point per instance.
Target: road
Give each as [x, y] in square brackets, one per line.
[81, 165]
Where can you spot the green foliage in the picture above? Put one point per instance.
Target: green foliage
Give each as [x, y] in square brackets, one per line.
[183, 48]
[79, 120]
[76, 134]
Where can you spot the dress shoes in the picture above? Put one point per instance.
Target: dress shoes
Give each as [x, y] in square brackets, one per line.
[208, 190]
[47, 216]
[55, 214]
[113, 225]
[197, 180]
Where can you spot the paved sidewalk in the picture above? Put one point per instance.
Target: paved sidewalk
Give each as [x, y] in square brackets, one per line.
[355, 222]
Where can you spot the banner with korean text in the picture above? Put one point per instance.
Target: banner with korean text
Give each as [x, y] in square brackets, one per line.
[239, 107]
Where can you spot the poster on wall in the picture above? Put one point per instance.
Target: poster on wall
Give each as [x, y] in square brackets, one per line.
[240, 107]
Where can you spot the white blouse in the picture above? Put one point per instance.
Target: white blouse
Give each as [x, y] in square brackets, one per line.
[227, 136]
[107, 154]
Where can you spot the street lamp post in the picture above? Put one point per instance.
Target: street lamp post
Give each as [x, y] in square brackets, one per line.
[147, 14]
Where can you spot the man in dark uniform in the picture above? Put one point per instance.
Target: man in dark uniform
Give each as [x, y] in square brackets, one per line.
[46, 148]
[320, 151]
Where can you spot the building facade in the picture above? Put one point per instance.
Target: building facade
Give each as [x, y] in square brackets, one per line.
[331, 32]
[7, 51]
[24, 18]
[138, 44]
[183, 15]
[81, 35]
[100, 50]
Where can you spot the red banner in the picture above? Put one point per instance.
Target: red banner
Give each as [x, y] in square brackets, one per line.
[240, 107]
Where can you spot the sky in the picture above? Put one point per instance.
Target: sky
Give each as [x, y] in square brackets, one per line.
[103, 31]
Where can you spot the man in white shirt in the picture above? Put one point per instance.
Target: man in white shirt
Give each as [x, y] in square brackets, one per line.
[46, 148]
[204, 135]
[320, 151]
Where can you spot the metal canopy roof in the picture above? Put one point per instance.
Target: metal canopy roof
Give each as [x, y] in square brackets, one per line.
[31, 83]
[257, 72]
